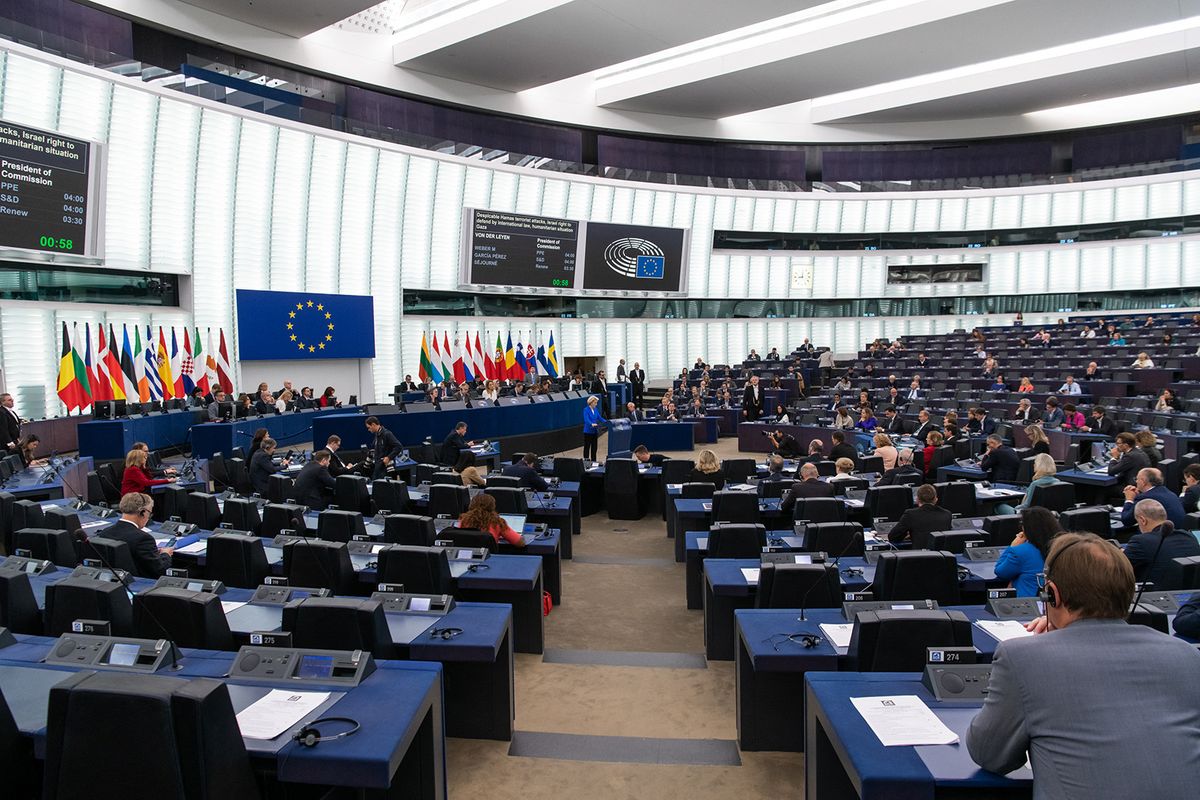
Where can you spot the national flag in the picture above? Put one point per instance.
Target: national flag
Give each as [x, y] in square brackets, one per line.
[460, 374]
[479, 361]
[199, 367]
[165, 374]
[447, 363]
[552, 357]
[128, 369]
[176, 367]
[468, 367]
[100, 379]
[510, 360]
[154, 385]
[210, 365]
[436, 361]
[224, 372]
[95, 378]
[541, 358]
[519, 358]
[113, 359]
[530, 361]
[139, 366]
[186, 365]
[71, 371]
[427, 372]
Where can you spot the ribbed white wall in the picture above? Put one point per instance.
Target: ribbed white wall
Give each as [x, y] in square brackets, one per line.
[238, 201]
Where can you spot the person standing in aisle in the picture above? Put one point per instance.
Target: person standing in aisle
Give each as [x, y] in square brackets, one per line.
[592, 420]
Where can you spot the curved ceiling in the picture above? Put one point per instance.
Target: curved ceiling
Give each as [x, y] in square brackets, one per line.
[761, 70]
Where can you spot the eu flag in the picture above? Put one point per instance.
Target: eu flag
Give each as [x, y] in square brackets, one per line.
[650, 266]
[295, 326]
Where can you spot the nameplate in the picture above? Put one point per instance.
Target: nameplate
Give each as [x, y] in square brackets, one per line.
[998, 594]
[275, 580]
[271, 638]
[949, 655]
[93, 627]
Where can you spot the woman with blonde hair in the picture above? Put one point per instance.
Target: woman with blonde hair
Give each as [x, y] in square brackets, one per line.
[1038, 442]
[885, 450]
[933, 440]
[283, 401]
[707, 470]
[136, 477]
[1044, 472]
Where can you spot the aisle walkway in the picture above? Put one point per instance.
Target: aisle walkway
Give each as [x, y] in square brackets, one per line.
[622, 704]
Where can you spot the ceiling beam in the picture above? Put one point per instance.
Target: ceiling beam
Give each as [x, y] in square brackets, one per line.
[444, 23]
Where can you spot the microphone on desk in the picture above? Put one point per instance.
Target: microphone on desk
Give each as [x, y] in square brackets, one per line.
[80, 536]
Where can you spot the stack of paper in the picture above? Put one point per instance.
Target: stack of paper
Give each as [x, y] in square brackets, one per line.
[838, 634]
[277, 711]
[195, 548]
[1003, 630]
[750, 574]
[903, 720]
[228, 606]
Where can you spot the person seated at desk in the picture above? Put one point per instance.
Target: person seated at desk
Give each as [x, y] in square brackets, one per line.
[1052, 419]
[774, 474]
[1049, 695]
[136, 477]
[885, 449]
[670, 415]
[1167, 402]
[1087, 333]
[1191, 489]
[933, 440]
[305, 399]
[137, 509]
[843, 384]
[1070, 387]
[1151, 551]
[197, 399]
[481, 516]
[1100, 423]
[491, 392]
[644, 458]
[336, 465]
[1093, 372]
[914, 391]
[1149, 486]
[1045, 473]
[785, 445]
[806, 348]
[1128, 459]
[809, 485]
[1025, 387]
[706, 470]
[951, 433]
[154, 472]
[842, 420]
[385, 447]
[753, 355]
[845, 470]
[265, 404]
[633, 414]
[454, 443]
[1143, 361]
[214, 408]
[1117, 340]
[526, 471]
[864, 398]
[781, 415]
[816, 452]
[923, 362]
[256, 441]
[262, 466]
[990, 368]
[1025, 557]
[979, 423]
[314, 485]
[841, 448]
[904, 469]
[1000, 462]
[27, 447]
[285, 402]
[407, 385]
[466, 469]
[1038, 442]
[998, 384]
[892, 397]
[1072, 420]
[664, 407]
[928, 517]
[1025, 413]
[893, 423]
[773, 355]
[696, 409]
[244, 407]
[836, 403]
[924, 425]
[328, 399]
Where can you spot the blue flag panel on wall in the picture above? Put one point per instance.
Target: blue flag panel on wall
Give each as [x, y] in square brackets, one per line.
[275, 326]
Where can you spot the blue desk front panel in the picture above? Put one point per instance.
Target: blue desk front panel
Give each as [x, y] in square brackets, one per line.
[289, 430]
[113, 438]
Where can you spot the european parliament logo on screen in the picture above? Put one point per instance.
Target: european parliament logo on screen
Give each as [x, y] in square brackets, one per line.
[298, 326]
[637, 257]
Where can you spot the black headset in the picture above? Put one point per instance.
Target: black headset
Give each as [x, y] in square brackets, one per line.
[309, 736]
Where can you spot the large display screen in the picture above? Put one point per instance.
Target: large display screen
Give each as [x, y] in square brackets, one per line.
[523, 252]
[48, 201]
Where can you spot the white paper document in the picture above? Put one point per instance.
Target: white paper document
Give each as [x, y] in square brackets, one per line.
[741, 487]
[903, 719]
[838, 634]
[195, 548]
[750, 574]
[228, 606]
[277, 711]
[1004, 629]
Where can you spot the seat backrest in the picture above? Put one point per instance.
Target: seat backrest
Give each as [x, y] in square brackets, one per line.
[620, 476]
[953, 541]
[409, 529]
[63, 519]
[241, 515]
[219, 472]
[449, 500]
[335, 525]
[236, 559]
[350, 493]
[696, 490]
[95, 489]
[339, 623]
[568, 469]
[110, 552]
[189, 619]
[895, 641]
[446, 476]
[835, 538]
[1003, 528]
[1093, 519]
[172, 499]
[674, 470]
[203, 511]
[1056, 496]
[424, 570]
[389, 496]
[187, 733]
[870, 464]
[735, 506]
[281, 516]
[84, 598]
[820, 509]
[312, 562]
[503, 481]
[18, 606]
[27, 514]
[509, 500]
[1025, 471]
[281, 488]
[738, 470]
[51, 544]
[957, 497]
[1181, 573]
[469, 537]
[798, 586]
[917, 575]
[889, 502]
[774, 488]
[736, 541]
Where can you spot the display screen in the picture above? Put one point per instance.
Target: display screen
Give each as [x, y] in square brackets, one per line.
[315, 667]
[123, 655]
[635, 257]
[520, 250]
[419, 604]
[195, 586]
[46, 197]
[299, 595]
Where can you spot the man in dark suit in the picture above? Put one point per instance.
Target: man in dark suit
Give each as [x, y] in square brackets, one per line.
[752, 400]
[809, 485]
[454, 443]
[1191, 490]
[1149, 486]
[336, 465]
[1000, 462]
[600, 387]
[893, 423]
[923, 362]
[774, 474]
[633, 414]
[1101, 423]
[841, 449]
[407, 385]
[924, 426]
[214, 408]
[1152, 550]
[982, 423]
[10, 424]
[136, 510]
[773, 355]
[917, 523]
[526, 471]
[386, 446]
[262, 466]
[1026, 414]
[1129, 458]
[265, 405]
[621, 374]
[904, 469]
[637, 384]
[807, 348]
[314, 484]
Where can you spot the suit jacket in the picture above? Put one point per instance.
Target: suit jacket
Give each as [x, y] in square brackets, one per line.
[1030, 416]
[1104, 426]
[148, 562]
[752, 401]
[1053, 419]
[893, 425]
[601, 388]
[922, 430]
[988, 426]
[261, 469]
[1142, 549]
[843, 450]
[309, 483]
[529, 477]
[1191, 500]
[265, 409]
[620, 373]
[452, 445]
[336, 465]
[10, 428]
[1170, 503]
[1125, 468]
[802, 490]
[635, 416]
[637, 377]
[892, 476]
[408, 386]
[1001, 464]
[919, 522]
[1050, 695]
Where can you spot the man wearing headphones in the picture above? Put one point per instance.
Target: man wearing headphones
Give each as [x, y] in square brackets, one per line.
[1080, 699]
[136, 510]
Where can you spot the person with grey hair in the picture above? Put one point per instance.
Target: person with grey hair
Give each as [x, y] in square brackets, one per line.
[903, 473]
[1000, 462]
[1044, 472]
[136, 511]
[1151, 551]
[809, 485]
[1148, 485]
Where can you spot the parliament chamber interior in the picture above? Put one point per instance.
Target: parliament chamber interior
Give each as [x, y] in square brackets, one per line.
[519, 399]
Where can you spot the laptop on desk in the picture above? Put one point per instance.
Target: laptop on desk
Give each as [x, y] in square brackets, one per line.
[515, 521]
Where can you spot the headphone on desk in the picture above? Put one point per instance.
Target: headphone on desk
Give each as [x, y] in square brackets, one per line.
[309, 736]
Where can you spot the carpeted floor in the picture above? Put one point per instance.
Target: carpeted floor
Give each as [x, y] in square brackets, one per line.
[637, 711]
